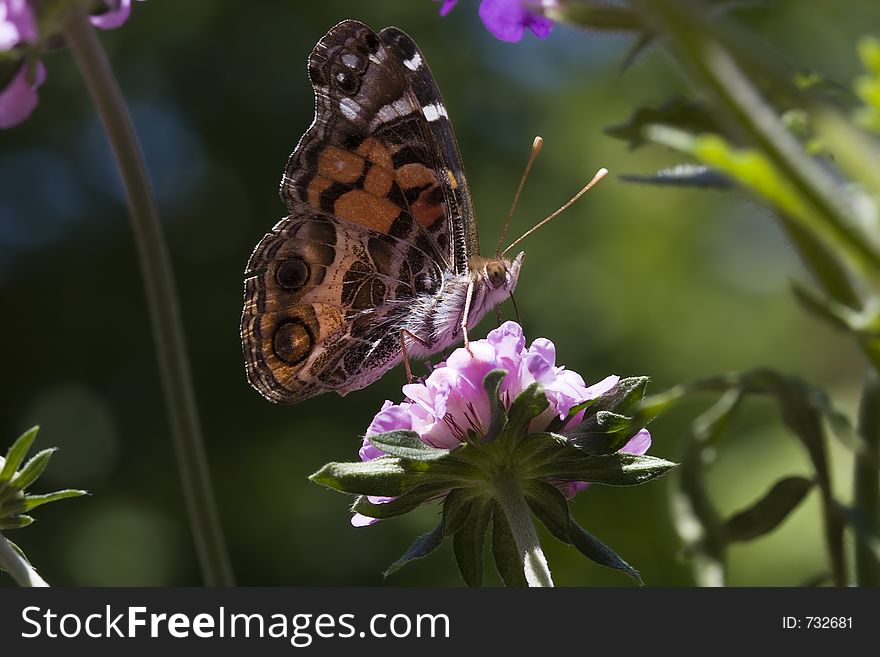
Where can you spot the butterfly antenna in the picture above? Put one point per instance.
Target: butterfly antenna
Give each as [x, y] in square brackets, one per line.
[601, 173]
[537, 145]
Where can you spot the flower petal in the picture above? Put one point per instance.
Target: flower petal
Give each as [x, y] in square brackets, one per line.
[638, 444]
[505, 19]
[19, 99]
[447, 6]
[17, 23]
[117, 13]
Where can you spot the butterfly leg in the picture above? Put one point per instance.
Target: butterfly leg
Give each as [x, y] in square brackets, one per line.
[464, 316]
[413, 336]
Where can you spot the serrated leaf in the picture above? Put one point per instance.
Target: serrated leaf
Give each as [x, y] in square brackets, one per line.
[31, 470]
[683, 175]
[492, 385]
[15, 522]
[596, 551]
[421, 547]
[405, 503]
[407, 445]
[676, 112]
[507, 559]
[766, 514]
[387, 476]
[16, 454]
[612, 469]
[550, 507]
[468, 542]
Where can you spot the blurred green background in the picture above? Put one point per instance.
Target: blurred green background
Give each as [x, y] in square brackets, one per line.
[675, 284]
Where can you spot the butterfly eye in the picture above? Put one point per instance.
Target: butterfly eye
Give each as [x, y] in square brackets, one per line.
[497, 274]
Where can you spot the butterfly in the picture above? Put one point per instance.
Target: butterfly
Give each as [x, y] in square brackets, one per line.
[378, 257]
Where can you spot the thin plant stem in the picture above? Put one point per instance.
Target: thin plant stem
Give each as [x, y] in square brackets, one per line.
[519, 517]
[14, 563]
[162, 300]
[867, 478]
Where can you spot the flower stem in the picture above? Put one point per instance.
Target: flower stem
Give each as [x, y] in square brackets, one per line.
[14, 563]
[162, 299]
[519, 517]
[867, 478]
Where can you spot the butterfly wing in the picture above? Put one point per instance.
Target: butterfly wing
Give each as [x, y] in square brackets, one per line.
[375, 207]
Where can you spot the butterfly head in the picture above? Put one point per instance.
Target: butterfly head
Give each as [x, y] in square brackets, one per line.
[498, 274]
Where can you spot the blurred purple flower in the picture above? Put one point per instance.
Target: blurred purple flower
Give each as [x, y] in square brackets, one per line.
[19, 98]
[117, 13]
[508, 19]
[452, 399]
[17, 24]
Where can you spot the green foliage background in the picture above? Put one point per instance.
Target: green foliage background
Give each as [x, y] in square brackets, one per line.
[672, 283]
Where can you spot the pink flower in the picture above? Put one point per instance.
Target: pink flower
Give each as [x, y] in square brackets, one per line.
[116, 14]
[508, 19]
[19, 98]
[452, 401]
[17, 24]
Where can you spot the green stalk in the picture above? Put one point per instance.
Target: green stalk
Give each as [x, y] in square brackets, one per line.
[712, 64]
[867, 478]
[14, 563]
[519, 517]
[162, 299]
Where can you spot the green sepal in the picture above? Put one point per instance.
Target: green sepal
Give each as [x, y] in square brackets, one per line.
[404, 503]
[468, 541]
[421, 547]
[551, 508]
[456, 508]
[611, 469]
[507, 559]
[407, 445]
[30, 502]
[766, 514]
[16, 454]
[15, 522]
[528, 405]
[596, 551]
[386, 475]
[492, 385]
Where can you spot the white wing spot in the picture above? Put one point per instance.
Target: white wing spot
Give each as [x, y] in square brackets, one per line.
[350, 60]
[413, 63]
[349, 108]
[434, 111]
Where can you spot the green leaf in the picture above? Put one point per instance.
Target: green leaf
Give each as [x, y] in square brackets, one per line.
[595, 550]
[867, 87]
[613, 469]
[596, 16]
[405, 503]
[550, 506]
[504, 551]
[683, 175]
[386, 475]
[31, 470]
[456, 508]
[603, 433]
[15, 522]
[421, 547]
[16, 454]
[468, 542]
[407, 445]
[528, 405]
[766, 514]
[625, 394]
[492, 384]
[676, 112]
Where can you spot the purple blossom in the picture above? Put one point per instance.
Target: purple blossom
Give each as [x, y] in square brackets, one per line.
[19, 98]
[117, 13]
[452, 400]
[508, 19]
[17, 24]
